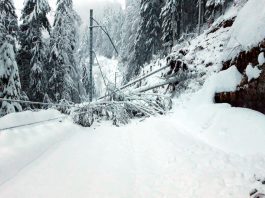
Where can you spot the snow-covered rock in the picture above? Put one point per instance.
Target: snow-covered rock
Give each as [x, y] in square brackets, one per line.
[248, 29]
[224, 81]
[252, 72]
[261, 58]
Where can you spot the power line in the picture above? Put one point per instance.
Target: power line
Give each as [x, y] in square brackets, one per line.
[35, 103]
[106, 32]
[100, 68]
[40, 122]
[32, 123]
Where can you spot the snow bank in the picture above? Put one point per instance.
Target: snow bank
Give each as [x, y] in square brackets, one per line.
[20, 146]
[249, 28]
[232, 130]
[252, 72]
[27, 117]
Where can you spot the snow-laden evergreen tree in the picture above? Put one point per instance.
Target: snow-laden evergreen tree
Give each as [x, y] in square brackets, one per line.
[129, 29]
[112, 21]
[105, 47]
[214, 8]
[83, 61]
[64, 76]
[9, 77]
[169, 21]
[32, 55]
[116, 31]
[148, 41]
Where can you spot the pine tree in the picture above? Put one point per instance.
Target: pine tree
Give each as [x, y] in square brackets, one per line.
[64, 76]
[169, 21]
[9, 76]
[105, 47]
[148, 41]
[189, 16]
[129, 29]
[214, 8]
[112, 21]
[83, 61]
[32, 53]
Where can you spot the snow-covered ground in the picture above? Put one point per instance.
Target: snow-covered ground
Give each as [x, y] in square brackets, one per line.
[209, 151]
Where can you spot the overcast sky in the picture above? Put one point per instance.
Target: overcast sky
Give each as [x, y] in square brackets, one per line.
[81, 6]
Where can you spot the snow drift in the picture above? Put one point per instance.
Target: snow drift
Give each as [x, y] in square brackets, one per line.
[248, 29]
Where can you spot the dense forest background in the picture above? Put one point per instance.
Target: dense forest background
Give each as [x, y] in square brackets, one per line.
[47, 61]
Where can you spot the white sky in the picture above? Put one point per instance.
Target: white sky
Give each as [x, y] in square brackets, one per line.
[81, 6]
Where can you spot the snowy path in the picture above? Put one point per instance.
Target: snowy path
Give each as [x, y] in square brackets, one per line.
[154, 159]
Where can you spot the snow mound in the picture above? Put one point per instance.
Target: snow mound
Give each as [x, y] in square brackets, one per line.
[249, 28]
[252, 72]
[231, 129]
[224, 81]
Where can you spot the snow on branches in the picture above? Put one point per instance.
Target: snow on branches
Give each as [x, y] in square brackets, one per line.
[121, 108]
[9, 77]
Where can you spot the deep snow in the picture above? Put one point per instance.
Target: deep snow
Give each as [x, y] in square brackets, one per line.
[197, 152]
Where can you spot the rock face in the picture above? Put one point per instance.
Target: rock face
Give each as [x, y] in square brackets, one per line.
[249, 94]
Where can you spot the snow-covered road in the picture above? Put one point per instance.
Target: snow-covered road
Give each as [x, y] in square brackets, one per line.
[155, 158]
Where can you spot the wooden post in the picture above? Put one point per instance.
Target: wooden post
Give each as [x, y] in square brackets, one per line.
[91, 58]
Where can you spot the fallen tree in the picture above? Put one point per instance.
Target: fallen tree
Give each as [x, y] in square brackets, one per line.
[121, 111]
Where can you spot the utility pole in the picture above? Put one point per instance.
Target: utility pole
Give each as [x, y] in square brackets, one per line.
[199, 19]
[91, 51]
[91, 58]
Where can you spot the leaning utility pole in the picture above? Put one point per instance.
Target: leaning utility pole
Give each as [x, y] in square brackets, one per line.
[91, 57]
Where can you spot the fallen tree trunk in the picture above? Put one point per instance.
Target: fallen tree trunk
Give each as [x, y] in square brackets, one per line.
[121, 112]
